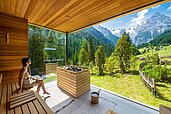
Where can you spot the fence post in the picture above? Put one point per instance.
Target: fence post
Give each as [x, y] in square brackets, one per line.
[149, 82]
[154, 86]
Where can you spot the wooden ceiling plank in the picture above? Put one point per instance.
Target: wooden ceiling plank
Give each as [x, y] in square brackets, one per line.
[13, 6]
[76, 13]
[18, 7]
[105, 8]
[46, 9]
[7, 6]
[85, 13]
[53, 13]
[24, 8]
[99, 17]
[35, 9]
[93, 17]
[30, 8]
[41, 9]
[132, 4]
[60, 11]
[2, 5]
[86, 19]
[73, 9]
[53, 10]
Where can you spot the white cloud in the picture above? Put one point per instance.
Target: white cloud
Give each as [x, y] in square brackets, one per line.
[120, 21]
[169, 8]
[155, 7]
[140, 17]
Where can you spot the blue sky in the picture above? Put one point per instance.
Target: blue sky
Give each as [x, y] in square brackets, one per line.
[138, 17]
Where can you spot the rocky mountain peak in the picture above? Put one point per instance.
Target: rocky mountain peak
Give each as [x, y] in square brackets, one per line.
[154, 26]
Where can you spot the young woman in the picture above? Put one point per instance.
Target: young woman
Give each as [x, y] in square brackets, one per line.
[26, 80]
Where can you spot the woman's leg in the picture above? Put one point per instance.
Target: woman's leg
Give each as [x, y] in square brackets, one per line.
[38, 88]
[41, 84]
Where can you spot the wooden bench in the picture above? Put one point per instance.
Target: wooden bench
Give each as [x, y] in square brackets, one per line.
[35, 106]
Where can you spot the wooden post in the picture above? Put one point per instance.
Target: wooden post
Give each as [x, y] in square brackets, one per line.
[149, 83]
[66, 50]
[154, 87]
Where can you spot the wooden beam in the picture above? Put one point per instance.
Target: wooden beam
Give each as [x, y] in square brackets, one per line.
[66, 50]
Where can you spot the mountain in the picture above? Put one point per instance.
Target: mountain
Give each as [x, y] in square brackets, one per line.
[162, 39]
[117, 31]
[98, 35]
[80, 38]
[107, 34]
[151, 28]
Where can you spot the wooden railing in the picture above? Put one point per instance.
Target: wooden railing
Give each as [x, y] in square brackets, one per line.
[149, 82]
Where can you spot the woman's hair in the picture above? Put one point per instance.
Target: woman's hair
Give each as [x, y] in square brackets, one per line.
[24, 61]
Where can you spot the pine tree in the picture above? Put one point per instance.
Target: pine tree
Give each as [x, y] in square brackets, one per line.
[91, 50]
[100, 59]
[111, 64]
[123, 52]
[83, 56]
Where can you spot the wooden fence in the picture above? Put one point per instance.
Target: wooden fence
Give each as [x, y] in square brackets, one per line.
[149, 82]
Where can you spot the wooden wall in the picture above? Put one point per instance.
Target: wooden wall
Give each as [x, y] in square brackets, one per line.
[13, 46]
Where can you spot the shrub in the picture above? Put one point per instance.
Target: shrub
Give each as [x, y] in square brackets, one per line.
[158, 72]
[153, 72]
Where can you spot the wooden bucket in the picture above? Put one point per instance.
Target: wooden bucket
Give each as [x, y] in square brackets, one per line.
[95, 97]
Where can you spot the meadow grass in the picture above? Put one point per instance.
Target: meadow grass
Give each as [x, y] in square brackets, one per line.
[132, 87]
[161, 52]
[49, 79]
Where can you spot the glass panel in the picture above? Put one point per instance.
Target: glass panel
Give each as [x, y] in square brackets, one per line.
[46, 50]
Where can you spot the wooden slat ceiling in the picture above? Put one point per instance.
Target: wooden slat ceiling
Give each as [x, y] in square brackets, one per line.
[71, 15]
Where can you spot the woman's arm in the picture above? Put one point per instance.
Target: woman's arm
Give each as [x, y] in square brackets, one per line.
[22, 72]
[29, 70]
[32, 77]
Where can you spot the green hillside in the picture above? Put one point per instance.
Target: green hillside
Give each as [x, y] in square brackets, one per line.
[165, 51]
[162, 39]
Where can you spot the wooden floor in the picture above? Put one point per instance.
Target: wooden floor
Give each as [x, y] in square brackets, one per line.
[33, 107]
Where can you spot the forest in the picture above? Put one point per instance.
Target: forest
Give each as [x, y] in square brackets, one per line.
[84, 49]
[88, 51]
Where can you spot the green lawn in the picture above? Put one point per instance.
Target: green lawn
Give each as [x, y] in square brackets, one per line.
[132, 87]
[161, 52]
[49, 79]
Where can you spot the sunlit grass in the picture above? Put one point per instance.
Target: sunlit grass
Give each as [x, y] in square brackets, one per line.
[161, 52]
[49, 79]
[132, 87]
